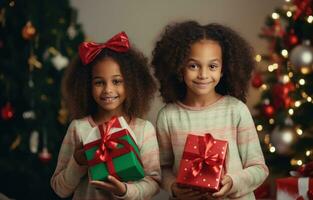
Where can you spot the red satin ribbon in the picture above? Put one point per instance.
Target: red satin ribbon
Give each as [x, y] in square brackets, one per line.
[205, 157]
[89, 50]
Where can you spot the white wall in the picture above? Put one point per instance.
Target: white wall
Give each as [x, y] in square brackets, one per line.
[143, 20]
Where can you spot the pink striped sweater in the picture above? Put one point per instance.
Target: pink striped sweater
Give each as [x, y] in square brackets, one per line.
[227, 119]
[71, 179]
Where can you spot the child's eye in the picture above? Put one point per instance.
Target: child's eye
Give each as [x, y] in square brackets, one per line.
[193, 66]
[98, 82]
[117, 81]
[213, 66]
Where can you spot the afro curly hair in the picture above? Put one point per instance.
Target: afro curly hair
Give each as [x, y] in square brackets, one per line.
[173, 48]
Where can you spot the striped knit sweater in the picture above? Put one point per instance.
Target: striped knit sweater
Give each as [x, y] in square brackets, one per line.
[227, 119]
[71, 179]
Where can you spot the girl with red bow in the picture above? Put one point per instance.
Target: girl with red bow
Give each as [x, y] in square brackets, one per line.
[109, 79]
[204, 73]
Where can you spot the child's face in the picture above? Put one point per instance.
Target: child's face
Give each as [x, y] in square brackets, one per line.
[203, 69]
[108, 88]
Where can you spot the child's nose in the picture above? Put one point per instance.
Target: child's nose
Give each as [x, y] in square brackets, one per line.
[203, 74]
[108, 88]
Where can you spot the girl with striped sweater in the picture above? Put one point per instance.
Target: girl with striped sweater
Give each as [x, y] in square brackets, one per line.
[204, 71]
[109, 79]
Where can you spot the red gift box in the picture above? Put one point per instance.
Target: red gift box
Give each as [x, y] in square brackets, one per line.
[294, 188]
[202, 164]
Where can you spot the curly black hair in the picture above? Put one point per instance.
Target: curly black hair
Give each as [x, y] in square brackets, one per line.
[139, 84]
[173, 48]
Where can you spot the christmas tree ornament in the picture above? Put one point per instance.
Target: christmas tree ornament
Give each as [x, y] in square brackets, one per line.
[268, 110]
[283, 136]
[302, 56]
[256, 80]
[59, 61]
[30, 81]
[7, 111]
[16, 142]
[29, 114]
[71, 31]
[28, 31]
[45, 156]
[63, 115]
[34, 62]
[34, 141]
[292, 39]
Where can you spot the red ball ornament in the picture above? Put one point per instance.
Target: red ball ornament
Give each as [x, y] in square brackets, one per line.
[256, 80]
[7, 111]
[45, 156]
[268, 110]
[28, 31]
[293, 39]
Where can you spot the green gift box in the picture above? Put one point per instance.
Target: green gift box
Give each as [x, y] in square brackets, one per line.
[122, 154]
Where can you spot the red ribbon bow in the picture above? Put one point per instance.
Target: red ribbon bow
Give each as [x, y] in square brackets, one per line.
[106, 143]
[89, 50]
[205, 157]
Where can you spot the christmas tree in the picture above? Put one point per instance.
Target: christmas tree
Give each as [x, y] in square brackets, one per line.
[38, 38]
[285, 112]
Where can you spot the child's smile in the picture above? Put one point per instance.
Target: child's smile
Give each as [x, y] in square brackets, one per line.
[202, 85]
[109, 99]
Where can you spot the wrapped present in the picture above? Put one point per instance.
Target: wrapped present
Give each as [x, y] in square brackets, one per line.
[202, 163]
[295, 188]
[113, 151]
[299, 187]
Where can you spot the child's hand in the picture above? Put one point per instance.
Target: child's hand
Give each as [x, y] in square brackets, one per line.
[187, 193]
[79, 155]
[227, 183]
[115, 186]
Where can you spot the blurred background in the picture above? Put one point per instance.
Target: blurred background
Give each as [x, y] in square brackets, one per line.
[38, 39]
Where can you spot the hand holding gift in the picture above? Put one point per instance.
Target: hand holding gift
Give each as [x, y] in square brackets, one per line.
[226, 183]
[114, 185]
[184, 193]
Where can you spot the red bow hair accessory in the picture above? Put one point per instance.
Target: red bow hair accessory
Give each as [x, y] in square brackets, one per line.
[89, 50]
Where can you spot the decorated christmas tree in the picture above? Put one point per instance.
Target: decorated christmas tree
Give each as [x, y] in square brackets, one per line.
[285, 77]
[38, 38]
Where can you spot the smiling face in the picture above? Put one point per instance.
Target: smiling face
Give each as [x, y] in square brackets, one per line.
[203, 69]
[108, 89]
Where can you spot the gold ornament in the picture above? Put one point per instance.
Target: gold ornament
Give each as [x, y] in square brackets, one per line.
[63, 114]
[33, 62]
[28, 31]
[16, 142]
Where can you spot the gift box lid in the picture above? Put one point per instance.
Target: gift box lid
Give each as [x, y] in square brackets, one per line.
[94, 134]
